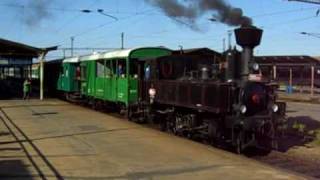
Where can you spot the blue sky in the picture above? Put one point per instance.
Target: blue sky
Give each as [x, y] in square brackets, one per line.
[145, 25]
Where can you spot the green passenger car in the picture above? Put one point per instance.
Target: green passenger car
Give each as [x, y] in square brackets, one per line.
[113, 76]
[69, 78]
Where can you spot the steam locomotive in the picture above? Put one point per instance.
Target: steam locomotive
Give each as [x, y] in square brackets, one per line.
[235, 105]
[186, 95]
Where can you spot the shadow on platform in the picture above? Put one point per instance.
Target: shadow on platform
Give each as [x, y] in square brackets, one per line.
[15, 169]
[11, 89]
[301, 130]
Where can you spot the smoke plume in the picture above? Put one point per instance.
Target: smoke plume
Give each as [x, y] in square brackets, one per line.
[36, 11]
[191, 10]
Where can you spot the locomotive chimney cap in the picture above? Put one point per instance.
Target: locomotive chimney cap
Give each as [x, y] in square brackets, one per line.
[248, 36]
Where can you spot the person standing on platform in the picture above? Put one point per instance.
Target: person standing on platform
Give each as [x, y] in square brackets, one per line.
[26, 89]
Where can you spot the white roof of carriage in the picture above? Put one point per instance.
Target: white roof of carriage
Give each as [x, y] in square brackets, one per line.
[117, 54]
[123, 53]
[71, 60]
[91, 57]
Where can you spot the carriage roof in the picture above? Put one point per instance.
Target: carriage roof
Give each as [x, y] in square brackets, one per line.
[124, 53]
[71, 60]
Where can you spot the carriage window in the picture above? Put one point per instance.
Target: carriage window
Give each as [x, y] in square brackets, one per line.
[83, 72]
[133, 71]
[66, 72]
[100, 68]
[108, 69]
[121, 70]
[147, 71]
[113, 64]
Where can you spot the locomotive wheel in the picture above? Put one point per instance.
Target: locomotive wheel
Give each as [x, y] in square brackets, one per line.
[93, 105]
[129, 114]
[66, 96]
[239, 143]
[163, 125]
[238, 146]
[174, 127]
[214, 134]
[161, 119]
[174, 130]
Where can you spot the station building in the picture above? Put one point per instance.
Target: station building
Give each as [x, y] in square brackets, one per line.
[302, 73]
[16, 66]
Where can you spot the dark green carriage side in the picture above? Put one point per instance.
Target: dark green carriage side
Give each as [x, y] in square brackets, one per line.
[101, 79]
[68, 79]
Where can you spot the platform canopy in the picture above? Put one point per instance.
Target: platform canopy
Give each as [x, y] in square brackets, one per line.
[11, 48]
[18, 54]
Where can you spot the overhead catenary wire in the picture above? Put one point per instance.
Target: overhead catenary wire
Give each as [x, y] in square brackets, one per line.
[74, 18]
[89, 30]
[292, 21]
[275, 13]
[90, 10]
[102, 25]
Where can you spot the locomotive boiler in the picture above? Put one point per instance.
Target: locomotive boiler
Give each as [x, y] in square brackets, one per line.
[234, 105]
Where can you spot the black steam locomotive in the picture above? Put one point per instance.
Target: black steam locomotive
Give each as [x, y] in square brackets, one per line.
[234, 105]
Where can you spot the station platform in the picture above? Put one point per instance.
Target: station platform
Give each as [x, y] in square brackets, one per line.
[53, 139]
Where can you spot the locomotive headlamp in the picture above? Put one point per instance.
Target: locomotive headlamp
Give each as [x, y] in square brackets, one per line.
[243, 109]
[275, 108]
[255, 66]
[152, 92]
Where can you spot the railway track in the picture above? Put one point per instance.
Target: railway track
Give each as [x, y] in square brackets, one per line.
[44, 169]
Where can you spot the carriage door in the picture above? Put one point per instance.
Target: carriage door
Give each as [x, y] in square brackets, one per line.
[84, 85]
[113, 80]
[108, 81]
[100, 79]
[142, 78]
[122, 81]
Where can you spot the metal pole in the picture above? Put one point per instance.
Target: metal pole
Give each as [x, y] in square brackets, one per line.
[312, 80]
[290, 79]
[64, 53]
[72, 41]
[275, 72]
[229, 36]
[301, 80]
[42, 55]
[122, 40]
[224, 44]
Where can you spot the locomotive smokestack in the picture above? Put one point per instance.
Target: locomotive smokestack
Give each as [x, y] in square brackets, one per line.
[248, 37]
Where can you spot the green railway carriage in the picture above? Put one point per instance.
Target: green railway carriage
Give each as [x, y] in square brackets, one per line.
[69, 76]
[114, 76]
